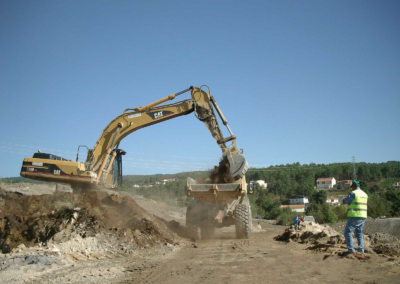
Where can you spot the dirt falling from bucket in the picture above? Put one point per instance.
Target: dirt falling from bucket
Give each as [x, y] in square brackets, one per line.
[221, 174]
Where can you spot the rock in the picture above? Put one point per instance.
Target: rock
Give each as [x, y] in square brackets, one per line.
[21, 246]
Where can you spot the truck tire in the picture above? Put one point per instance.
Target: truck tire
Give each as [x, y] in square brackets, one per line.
[243, 221]
[192, 221]
[194, 233]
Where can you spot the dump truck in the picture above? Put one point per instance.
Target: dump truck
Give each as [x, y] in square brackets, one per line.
[217, 205]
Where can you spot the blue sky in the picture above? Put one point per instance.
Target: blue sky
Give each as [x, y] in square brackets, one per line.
[298, 81]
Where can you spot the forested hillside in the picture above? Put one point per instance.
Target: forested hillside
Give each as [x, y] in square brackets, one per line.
[299, 179]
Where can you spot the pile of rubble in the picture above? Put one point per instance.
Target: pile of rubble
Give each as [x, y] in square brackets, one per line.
[325, 239]
[93, 224]
[42, 233]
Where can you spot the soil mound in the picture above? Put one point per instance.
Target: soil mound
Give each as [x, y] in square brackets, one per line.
[311, 233]
[326, 239]
[114, 221]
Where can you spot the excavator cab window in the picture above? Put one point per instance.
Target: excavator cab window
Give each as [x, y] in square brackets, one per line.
[48, 157]
[42, 156]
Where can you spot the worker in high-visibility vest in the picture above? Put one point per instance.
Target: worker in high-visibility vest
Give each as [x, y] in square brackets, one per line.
[357, 214]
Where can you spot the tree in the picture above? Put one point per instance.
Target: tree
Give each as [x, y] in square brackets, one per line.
[319, 197]
[315, 210]
[329, 216]
[281, 189]
[394, 197]
[341, 212]
[271, 208]
[378, 205]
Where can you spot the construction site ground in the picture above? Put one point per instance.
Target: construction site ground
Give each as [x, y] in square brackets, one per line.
[112, 237]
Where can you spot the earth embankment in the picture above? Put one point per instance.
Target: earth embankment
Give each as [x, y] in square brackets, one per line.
[389, 226]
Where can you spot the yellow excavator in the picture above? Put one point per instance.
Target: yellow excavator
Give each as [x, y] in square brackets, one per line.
[215, 205]
[103, 165]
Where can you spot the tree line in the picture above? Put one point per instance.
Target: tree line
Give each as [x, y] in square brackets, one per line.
[295, 179]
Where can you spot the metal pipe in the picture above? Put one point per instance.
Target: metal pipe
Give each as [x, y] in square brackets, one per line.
[224, 121]
[77, 153]
[107, 171]
[170, 97]
[115, 134]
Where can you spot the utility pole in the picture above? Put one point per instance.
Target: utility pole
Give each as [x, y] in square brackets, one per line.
[354, 168]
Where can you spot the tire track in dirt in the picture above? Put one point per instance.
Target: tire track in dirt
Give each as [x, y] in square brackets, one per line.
[260, 259]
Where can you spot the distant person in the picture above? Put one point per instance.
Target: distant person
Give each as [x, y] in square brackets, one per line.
[357, 214]
[296, 221]
[301, 220]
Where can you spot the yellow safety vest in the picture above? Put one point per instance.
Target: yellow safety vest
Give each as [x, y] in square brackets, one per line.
[358, 207]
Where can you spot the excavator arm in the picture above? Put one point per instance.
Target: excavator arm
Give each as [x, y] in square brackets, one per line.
[100, 158]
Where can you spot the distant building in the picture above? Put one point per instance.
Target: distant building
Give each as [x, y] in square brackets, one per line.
[332, 200]
[295, 208]
[135, 185]
[326, 182]
[298, 199]
[261, 183]
[396, 184]
[345, 183]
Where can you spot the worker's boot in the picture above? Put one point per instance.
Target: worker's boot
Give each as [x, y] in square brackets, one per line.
[360, 255]
[349, 255]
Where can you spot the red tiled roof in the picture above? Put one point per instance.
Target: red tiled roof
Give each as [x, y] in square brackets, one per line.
[345, 181]
[332, 197]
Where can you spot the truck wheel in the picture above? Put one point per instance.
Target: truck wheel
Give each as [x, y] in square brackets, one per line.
[243, 221]
[194, 233]
[192, 222]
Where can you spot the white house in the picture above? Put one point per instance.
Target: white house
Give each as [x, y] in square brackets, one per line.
[326, 182]
[135, 185]
[261, 183]
[298, 199]
[332, 200]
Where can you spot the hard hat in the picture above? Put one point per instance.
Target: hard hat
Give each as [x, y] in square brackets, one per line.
[355, 183]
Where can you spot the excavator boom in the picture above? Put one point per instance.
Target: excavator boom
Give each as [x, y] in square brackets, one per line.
[103, 165]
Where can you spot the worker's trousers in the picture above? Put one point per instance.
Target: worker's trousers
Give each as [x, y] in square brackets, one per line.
[355, 224]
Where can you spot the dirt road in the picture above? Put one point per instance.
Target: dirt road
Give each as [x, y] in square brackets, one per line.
[259, 260]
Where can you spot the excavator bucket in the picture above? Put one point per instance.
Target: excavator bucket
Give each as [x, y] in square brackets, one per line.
[238, 165]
